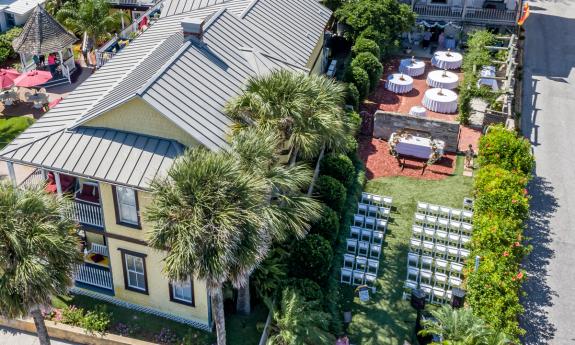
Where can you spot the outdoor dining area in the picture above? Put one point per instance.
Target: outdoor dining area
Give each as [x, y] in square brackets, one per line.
[24, 88]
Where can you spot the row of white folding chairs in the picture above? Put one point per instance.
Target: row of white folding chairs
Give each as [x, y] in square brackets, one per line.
[434, 294]
[438, 250]
[354, 277]
[374, 199]
[367, 235]
[427, 277]
[360, 263]
[430, 263]
[445, 212]
[373, 210]
[439, 236]
[363, 248]
[369, 222]
[468, 204]
[442, 224]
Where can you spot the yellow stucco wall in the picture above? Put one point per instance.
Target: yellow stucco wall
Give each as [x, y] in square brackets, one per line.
[158, 297]
[314, 63]
[139, 117]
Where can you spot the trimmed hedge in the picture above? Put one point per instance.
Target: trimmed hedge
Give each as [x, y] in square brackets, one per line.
[307, 288]
[340, 167]
[352, 96]
[311, 258]
[366, 45]
[360, 79]
[331, 192]
[369, 63]
[327, 226]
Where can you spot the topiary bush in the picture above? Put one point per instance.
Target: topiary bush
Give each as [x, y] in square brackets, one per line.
[506, 149]
[366, 45]
[327, 226]
[307, 288]
[311, 258]
[340, 167]
[331, 192]
[352, 96]
[370, 63]
[6, 50]
[354, 121]
[358, 77]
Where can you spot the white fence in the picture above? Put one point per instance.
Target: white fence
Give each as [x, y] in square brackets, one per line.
[94, 276]
[470, 14]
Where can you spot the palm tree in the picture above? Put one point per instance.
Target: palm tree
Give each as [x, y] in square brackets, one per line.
[38, 251]
[305, 109]
[91, 19]
[291, 213]
[299, 322]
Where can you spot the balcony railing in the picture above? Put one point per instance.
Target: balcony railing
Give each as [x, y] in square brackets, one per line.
[87, 213]
[36, 178]
[132, 2]
[90, 275]
[469, 14]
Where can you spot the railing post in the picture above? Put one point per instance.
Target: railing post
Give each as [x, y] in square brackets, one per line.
[58, 183]
[12, 174]
[464, 12]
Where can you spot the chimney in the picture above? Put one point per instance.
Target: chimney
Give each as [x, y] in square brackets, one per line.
[192, 27]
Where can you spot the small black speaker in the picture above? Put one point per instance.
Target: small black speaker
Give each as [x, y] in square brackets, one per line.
[457, 298]
[418, 298]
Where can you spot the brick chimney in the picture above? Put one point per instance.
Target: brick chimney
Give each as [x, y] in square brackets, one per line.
[192, 27]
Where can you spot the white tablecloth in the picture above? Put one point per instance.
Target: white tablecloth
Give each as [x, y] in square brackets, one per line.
[399, 83]
[446, 102]
[488, 71]
[444, 61]
[443, 79]
[411, 68]
[414, 146]
[417, 110]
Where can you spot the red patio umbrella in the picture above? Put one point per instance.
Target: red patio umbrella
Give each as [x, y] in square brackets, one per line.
[54, 102]
[32, 78]
[7, 76]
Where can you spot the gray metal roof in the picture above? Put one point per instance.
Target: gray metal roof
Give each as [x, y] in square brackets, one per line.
[172, 7]
[105, 154]
[19, 7]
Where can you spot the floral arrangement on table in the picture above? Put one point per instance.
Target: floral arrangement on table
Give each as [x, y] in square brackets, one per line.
[395, 139]
[436, 153]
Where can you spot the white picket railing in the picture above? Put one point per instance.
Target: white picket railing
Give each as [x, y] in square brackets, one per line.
[471, 14]
[99, 249]
[33, 180]
[94, 276]
[87, 213]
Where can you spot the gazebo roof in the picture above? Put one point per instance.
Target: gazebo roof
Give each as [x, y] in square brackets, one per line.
[42, 34]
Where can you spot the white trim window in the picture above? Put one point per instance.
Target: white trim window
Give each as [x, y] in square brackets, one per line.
[136, 275]
[127, 205]
[182, 291]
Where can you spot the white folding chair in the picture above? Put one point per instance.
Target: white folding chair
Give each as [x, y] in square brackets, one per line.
[420, 219]
[372, 266]
[366, 235]
[354, 231]
[464, 253]
[428, 234]
[348, 261]
[358, 278]
[452, 253]
[362, 208]
[370, 223]
[467, 204]
[425, 277]
[467, 216]
[370, 280]
[387, 201]
[365, 198]
[358, 220]
[454, 282]
[375, 251]
[441, 266]
[383, 212]
[372, 211]
[455, 214]
[437, 295]
[426, 262]
[440, 251]
[417, 231]
[422, 207]
[381, 225]
[377, 200]
[377, 237]
[464, 239]
[454, 238]
[430, 220]
[440, 279]
[362, 248]
[412, 260]
[466, 228]
[441, 236]
[415, 245]
[427, 248]
[360, 264]
[448, 296]
[456, 268]
[346, 275]
[352, 246]
[409, 285]
[427, 289]
[454, 226]
[444, 212]
[443, 223]
[433, 210]
[413, 275]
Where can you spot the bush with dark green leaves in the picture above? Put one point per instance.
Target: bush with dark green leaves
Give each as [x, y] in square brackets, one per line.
[6, 50]
[354, 121]
[369, 63]
[327, 226]
[365, 45]
[358, 77]
[340, 167]
[506, 149]
[306, 288]
[311, 258]
[331, 192]
[352, 96]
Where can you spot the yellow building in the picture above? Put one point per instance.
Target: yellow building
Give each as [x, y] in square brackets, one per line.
[127, 123]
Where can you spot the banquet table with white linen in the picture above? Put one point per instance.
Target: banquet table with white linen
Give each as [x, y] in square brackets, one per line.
[412, 67]
[414, 146]
[440, 100]
[399, 83]
[417, 110]
[443, 79]
[447, 60]
[488, 71]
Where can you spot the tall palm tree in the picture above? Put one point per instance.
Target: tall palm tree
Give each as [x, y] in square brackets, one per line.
[291, 213]
[90, 18]
[38, 251]
[297, 321]
[305, 109]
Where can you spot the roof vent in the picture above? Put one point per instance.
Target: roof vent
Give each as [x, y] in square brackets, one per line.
[192, 27]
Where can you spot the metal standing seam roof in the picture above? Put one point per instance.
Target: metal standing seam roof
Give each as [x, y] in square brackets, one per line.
[20, 7]
[172, 7]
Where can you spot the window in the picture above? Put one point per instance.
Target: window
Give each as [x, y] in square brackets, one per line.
[126, 206]
[182, 292]
[135, 272]
[10, 20]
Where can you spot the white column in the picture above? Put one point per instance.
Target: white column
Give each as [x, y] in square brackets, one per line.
[464, 12]
[44, 174]
[12, 173]
[58, 184]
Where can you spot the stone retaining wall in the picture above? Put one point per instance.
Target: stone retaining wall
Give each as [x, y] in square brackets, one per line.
[385, 123]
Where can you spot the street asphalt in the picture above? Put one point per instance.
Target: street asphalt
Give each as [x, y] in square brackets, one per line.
[548, 120]
[9, 336]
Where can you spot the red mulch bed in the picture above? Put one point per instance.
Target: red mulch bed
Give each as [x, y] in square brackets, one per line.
[468, 136]
[379, 163]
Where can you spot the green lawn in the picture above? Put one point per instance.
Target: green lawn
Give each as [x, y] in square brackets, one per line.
[386, 319]
[241, 330]
[10, 128]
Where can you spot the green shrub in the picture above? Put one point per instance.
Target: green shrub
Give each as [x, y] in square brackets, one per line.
[351, 146]
[331, 192]
[306, 288]
[311, 258]
[354, 121]
[365, 45]
[352, 96]
[6, 50]
[370, 63]
[72, 315]
[271, 274]
[96, 321]
[340, 167]
[358, 77]
[327, 226]
[506, 149]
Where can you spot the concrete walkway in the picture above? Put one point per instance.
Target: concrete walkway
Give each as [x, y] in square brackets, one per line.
[9, 336]
[548, 120]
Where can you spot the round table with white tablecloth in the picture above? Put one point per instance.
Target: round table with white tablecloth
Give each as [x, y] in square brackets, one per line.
[417, 110]
[443, 79]
[440, 101]
[412, 67]
[399, 83]
[447, 60]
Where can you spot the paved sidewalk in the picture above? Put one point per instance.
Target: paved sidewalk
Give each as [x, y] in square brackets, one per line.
[9, 336]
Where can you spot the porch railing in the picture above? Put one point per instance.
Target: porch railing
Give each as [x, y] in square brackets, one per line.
[470, 14]
[101, 278]
[34, 179]
[87, 213]
[99, 249]
[131, 2]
